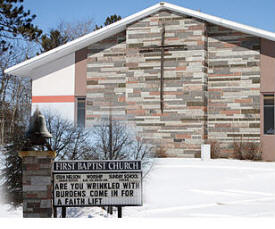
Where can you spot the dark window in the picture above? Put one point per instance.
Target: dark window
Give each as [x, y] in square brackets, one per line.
[268, 114]
[81, 112]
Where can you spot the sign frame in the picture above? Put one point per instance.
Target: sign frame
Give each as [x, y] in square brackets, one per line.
[139, 171]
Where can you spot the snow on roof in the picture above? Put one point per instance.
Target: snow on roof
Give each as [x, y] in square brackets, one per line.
[24, 69]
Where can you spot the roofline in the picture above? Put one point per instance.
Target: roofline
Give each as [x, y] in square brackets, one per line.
[24, 69]
[83, 41]
[223, 22]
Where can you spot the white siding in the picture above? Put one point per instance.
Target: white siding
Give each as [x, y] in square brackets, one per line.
[55, 78]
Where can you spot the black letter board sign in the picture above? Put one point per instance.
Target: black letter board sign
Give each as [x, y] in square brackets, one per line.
[97, 183]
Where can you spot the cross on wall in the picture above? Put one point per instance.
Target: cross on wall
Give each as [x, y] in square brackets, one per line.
[162, 48]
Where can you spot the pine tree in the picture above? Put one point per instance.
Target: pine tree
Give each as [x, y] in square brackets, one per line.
[65, 32]
[111, 19]
[54, 40]
[108, 21]
[12, 172]
[16, 22]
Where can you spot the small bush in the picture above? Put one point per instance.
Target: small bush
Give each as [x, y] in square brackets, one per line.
[247, 151]
[161, 152]
[237, 151]
[215, 150]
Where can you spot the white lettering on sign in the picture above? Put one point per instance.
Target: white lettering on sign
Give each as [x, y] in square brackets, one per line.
[93, 189]
[96, 166]
[66, 166]
[91, 166]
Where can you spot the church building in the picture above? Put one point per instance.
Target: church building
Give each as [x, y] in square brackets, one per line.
[180, 77]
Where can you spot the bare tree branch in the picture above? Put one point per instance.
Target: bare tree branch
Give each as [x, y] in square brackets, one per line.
[123, 144]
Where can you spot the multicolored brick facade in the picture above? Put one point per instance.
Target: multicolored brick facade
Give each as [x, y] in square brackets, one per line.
[233, 86]
[211, 86]
[106, 78]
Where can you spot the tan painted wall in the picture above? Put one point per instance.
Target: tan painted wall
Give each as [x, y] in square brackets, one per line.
[80, 72]
[80, 76]
[267, 86]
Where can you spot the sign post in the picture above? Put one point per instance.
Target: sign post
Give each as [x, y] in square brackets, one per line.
[119, 212]
[63, 212]
[97, 183]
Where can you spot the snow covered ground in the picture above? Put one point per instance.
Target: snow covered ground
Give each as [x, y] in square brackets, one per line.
[7, 211]
[214, 188]
[196, 188]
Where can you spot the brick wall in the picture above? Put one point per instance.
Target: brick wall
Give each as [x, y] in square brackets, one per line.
[106, 78]
[211, 85]
[180, 128]
[233, 85]
[37, 183]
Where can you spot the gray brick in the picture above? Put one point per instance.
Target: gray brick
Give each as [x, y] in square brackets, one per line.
[27, 188]
[46, 204]
[40, 180]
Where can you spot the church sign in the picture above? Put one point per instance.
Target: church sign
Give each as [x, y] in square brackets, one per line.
[97, 183]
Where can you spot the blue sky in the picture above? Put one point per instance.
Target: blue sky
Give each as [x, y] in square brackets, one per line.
[257, 13]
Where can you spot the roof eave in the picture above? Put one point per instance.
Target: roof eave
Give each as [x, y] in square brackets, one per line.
[24, 69]
[222, 22]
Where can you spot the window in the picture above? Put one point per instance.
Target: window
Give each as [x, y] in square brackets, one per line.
[81, 112]
[268, 114]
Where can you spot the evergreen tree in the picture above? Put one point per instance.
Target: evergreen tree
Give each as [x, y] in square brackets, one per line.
[15, 24]
[15, 21]
[108, 21]
[12, 172]
[111, 19]
[65, 32]
[54, 40]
